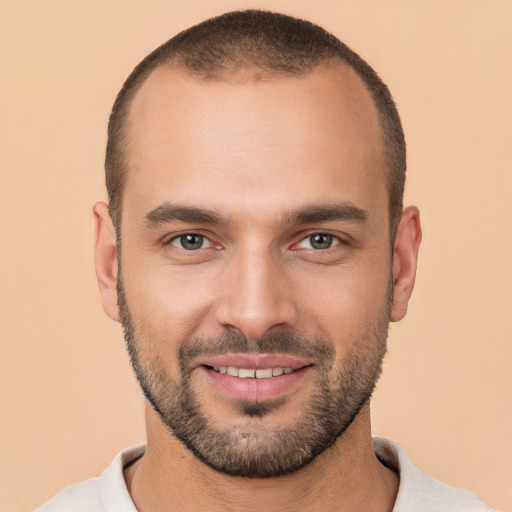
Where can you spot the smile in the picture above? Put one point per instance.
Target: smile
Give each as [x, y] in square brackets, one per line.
[256, 378]
[247, 373]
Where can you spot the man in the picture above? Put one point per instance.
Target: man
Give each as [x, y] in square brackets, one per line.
[255, 249]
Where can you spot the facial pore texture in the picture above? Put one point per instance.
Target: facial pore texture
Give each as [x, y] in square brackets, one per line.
[249, 448]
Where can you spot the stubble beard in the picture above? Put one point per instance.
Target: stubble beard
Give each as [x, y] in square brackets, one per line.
[249, 449]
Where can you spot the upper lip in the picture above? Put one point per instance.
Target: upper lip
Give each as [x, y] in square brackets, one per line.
[256, 361]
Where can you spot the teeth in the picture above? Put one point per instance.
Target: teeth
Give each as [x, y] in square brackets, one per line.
[245, 373]
[264, 374]
[232, 371]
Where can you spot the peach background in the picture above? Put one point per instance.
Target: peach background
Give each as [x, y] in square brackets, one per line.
[68, 400]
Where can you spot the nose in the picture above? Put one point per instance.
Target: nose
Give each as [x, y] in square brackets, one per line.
[255, 295]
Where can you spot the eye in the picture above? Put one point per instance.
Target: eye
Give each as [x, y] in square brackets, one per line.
[191, 242]
[319, 241]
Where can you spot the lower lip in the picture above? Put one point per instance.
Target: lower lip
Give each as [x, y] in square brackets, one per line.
[256, 389]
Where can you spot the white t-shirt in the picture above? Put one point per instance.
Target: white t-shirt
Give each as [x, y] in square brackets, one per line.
[417, 492]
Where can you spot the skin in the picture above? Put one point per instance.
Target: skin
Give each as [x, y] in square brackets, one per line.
[254, 151]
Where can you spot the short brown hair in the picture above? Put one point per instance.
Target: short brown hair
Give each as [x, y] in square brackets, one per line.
[269, 41]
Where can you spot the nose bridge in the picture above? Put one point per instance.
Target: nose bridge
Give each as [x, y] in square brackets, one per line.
[255, 297]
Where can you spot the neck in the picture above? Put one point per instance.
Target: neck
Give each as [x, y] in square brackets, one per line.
[347, 476]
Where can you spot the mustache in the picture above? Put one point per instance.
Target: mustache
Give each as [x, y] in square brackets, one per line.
[315, 349]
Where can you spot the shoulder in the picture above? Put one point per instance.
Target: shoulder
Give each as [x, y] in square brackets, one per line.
[105, 493]
[420, 492]
[82, 497]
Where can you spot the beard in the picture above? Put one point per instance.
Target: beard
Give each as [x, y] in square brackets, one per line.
[248, 448]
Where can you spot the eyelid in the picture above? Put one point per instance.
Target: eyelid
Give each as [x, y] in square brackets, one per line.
[337, 240]
[208, 243]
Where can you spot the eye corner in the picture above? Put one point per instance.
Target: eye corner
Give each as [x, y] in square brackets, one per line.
[190, 242]
[318, 241]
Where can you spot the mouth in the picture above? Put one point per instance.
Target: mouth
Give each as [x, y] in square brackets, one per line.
[250, 373]
[255, 378]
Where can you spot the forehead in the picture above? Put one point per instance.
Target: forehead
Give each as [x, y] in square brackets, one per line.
[196, 140]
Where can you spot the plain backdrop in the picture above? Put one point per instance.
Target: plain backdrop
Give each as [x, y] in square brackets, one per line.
[69, 402]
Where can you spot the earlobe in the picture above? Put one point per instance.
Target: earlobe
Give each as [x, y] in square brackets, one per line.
[105, 258]
[405, 259]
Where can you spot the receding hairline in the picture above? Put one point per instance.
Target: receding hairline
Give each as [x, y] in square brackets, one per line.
[239, 75]
[275, 44]
[348, 80]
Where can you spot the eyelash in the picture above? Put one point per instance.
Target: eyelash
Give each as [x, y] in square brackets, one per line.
[189, 234]
[334, 239]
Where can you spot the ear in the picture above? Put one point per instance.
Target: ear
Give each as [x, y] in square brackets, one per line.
[405, 259]
[105, 258]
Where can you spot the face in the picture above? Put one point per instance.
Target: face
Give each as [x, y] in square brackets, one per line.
[256, 277]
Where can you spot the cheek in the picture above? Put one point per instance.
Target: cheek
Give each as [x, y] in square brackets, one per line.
[172, 303]
[169, 303]
[344, 303]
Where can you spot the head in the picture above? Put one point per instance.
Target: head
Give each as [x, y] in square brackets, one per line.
[270, 44]
[255, 170]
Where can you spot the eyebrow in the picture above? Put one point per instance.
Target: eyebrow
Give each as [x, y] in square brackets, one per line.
[168, 212]
[325, 213]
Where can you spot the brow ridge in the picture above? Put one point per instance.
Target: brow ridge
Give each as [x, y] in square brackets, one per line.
[312, 214]
[168, 212]
[324, 213]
